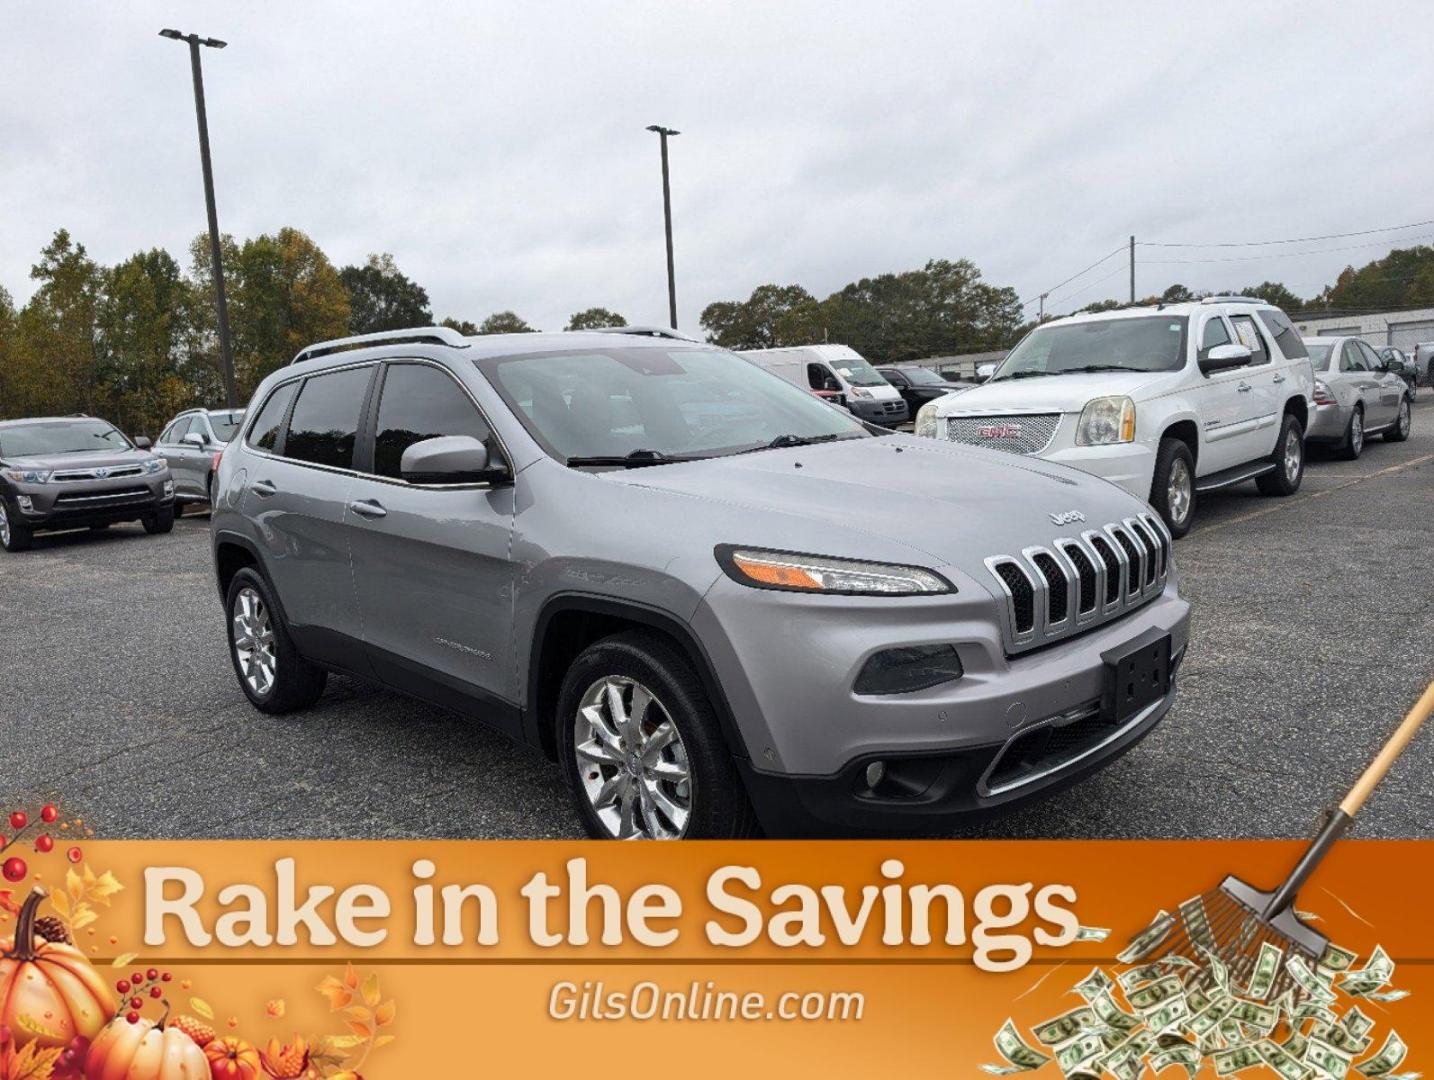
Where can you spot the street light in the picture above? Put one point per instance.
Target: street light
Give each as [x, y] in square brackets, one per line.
[662, 134]
[226, 351]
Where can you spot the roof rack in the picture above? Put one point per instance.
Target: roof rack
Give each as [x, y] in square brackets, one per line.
[647, 331]
[1232, 300]
[421, 335]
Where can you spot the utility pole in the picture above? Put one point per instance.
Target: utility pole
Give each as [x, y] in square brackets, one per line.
[1041, 316]
[226, 350]
[662, 134]
[1132, 269]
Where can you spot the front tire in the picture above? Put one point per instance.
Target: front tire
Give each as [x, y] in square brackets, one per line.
[1353, 444]
[13, 535]
[1289, 460]
[1172, 492]
[641, 748]
[161, 522]
[272, 674]
[178, 509]
[1402, 423]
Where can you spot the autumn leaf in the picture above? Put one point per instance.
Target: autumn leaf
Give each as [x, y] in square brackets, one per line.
[74, 885]
[359, 1013]
[383, 1040]
[7, 902]
[351, 979]
[384, 1014]
[61, 903]
[202, 1007]
[371, 994]
[337, 993]
[276, 1008]
[31, 1062]
[123, 960]
[363, 1031]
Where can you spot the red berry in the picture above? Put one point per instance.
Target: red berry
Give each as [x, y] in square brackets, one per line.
[122, 986]
[18, 820]
[44, 843]
[166, 977]
[132, 1017]
[14, 869]
[137, 978]
[155, 992]
[74, 854]
[49, 813]
[152, 974]
[136, 1003]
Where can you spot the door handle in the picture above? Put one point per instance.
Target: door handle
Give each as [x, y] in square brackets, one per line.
[368, 508]
[1244, 388]
[1279, 378]
[265, 488]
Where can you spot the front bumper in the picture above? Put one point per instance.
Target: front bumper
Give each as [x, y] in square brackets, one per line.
[808, 736]
[883, 412]
[79, 503]
[1327, 422]
[1131, 465]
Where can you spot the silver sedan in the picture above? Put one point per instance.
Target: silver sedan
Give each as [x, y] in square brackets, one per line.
[1356, 395]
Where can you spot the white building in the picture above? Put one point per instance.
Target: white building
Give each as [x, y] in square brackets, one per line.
[1402, 329]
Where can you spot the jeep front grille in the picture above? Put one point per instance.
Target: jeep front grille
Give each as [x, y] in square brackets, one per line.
[1079, 582]
[1018, 433]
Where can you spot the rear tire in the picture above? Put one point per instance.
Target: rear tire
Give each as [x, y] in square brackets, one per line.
[1289, 460]
[1353, 444]
[161, 522]
[1172, 491]
[620, 789]
[13, 535]
[178, 509]
[272, 674]
[1402, 423]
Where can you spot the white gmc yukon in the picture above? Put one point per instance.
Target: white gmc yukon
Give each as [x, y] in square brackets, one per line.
[1165, 401]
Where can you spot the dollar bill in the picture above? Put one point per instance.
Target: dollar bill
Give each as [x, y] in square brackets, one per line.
[1375, 974]
[1149, 939]
[1217, 969]
[1387, 995]
[1329, 1060]
[1336, 959]
[1340, 1038]
[1355, 1022]
[1197, 923]
[1020, 1056]
[1391, 1055]
[1168, 1015]
[1072, 1056]
[1281, 1060]
[1296, 1043]
[1092, 933]
[1197, 998]
[1267, 966]
[1208, 1019]
[1257, 1015]
[1112, 1015]
[1185, 1055]
[1145, 998]
[1235, 1059]
[1063, 1028]
[1308, 981]
[1143, 973]
[1094, 984]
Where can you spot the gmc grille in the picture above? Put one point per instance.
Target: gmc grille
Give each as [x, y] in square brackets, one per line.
[1080, 582]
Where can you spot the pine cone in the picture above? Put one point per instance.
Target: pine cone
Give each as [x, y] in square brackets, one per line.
[52, 929]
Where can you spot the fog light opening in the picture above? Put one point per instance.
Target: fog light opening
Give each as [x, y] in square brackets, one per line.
[908, 669]
[26, 503]
[875, 774]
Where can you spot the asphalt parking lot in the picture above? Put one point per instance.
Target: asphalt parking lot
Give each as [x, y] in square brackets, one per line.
[1313, 632]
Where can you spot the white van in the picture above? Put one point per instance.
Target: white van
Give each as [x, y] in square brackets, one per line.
[837, 368]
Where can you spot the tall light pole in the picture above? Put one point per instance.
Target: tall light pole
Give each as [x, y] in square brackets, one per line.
[662, 134]
[226, 351]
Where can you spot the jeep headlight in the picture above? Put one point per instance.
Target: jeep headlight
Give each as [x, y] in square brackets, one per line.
[817, 573]
[926, 420]
[28, 476]
[1105, 421]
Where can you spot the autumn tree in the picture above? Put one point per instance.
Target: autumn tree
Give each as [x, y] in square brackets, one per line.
[56, 363]
[773, 316]
[504, 322]
[382, 297]
[1402, 279]
[595, 318]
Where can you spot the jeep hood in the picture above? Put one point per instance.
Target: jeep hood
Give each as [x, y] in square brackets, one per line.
[1051, 393]
[869, 498]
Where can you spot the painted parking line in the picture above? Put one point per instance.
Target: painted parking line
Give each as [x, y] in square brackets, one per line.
[1287, 504]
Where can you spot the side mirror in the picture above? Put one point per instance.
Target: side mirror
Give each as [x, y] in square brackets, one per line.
[1224, 357]
[449, 459]
[142, 442]
[194, 439]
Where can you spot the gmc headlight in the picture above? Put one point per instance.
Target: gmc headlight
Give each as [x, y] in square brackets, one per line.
[1105, 421]
[155, 465]
[926, 420]
[817, 573]
[28, 476]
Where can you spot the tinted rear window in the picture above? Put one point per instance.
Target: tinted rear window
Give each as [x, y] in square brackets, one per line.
[1282, 330]
[325, 423]
[264, 435]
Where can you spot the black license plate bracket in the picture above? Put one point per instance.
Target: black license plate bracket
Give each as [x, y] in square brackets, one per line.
[1137, 675]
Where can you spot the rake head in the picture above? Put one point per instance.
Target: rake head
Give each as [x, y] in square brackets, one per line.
[1232, 923]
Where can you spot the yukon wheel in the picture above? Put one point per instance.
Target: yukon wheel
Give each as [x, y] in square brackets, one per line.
[1289, 461]
[272, 674]
[1172, 492]
[1400, 431]
[641, 748]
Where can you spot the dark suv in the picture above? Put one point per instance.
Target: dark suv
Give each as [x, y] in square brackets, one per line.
[69, 472]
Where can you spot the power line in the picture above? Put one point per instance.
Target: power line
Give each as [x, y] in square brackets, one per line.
[1267, 258]
[1067, 281]
[1292, 240]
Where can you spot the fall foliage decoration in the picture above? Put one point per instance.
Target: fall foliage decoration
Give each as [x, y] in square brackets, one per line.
[365, 1011]
[197, 1030]
[145, 1050]
[49, 993]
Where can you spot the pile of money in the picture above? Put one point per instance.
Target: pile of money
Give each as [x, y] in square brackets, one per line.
[1300, 1019]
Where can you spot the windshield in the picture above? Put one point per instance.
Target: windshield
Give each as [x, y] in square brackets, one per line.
[677, 402]
[1320, 352]
[921, 376]
[1146, 343]
[60, 437]
[225, 424]
[856, 371]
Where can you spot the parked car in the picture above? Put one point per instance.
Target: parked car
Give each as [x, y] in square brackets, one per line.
[986, 370]
[705, 628]
[1424, 360]
[1356, 395]
[918, 385]
[1402, 364]
[1165, 401]
[73, 472]
[840, 370]
[192, 443]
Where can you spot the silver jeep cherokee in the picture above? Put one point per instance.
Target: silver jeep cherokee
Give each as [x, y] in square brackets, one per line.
[717, 601]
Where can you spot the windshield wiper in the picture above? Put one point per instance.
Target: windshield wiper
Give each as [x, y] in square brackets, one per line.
[1022, 375]
[634, 460]
[1088, 368]
[783, 441]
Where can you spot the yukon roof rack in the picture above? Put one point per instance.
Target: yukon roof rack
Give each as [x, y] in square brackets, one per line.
[1232, 300]
[647, 331]
[420, 335]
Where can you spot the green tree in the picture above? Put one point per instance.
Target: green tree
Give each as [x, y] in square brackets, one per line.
[773, 316]
[1402, 279]
[504, 322]
[595, 318]
[463, 326]
[382, 297]
[1274, 292]
[56, 367]
[1177, 294]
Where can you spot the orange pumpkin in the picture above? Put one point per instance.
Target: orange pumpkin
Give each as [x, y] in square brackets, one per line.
[232, 1059]
[49, 994]
[144, 1051]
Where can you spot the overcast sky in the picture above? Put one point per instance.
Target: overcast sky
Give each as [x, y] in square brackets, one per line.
[498, 151]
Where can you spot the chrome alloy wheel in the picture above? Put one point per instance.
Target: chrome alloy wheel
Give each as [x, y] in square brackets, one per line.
[1356, 431]
[4, 525]
[1404, 419]
[1294, 456]
[253, 636]
[1181, 492]
[631, 762]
